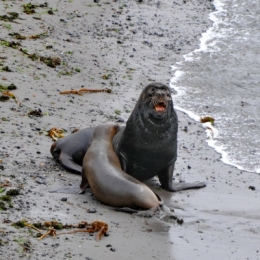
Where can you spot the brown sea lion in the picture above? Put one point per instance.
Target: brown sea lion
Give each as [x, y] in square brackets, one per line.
[102, 172]
[146, 146]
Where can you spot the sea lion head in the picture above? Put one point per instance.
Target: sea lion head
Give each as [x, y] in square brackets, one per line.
[106, 131]
[157, 101]
[153, 114]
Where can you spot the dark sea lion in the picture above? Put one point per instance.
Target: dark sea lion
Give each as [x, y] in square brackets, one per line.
[102, 172]
[146, 146]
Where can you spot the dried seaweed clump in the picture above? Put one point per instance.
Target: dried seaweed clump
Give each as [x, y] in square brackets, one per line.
[35, 112]
[96, 226]
[12, 16]
[84, 90]
[56, 133]
[30, 8]
[207, 119]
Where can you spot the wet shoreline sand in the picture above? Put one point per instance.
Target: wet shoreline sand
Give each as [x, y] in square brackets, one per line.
[121, 46]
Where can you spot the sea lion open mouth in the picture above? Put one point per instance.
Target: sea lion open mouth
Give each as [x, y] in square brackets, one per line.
[160, 107]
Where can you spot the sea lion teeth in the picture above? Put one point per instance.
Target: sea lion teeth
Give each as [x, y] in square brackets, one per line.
[160, 108]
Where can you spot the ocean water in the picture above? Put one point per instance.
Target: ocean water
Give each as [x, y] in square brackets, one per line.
[221, 79]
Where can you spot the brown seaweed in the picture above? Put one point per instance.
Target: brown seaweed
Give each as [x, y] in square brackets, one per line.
[84, 90]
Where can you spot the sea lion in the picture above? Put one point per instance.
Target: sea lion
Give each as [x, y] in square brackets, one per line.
[102, 172]
[146, 145]
[70, 150]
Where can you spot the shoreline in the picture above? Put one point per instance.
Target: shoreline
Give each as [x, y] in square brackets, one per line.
[211, 131]
[122, 46]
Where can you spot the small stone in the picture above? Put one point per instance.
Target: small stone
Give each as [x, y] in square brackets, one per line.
[92, 210]
[251, 187]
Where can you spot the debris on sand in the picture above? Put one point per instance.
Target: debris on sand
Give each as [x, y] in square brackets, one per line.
[207, 119]
[96, 226]
[84, 90]
[56, 133]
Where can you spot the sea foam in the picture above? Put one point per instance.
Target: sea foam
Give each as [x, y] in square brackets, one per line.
[207, 44]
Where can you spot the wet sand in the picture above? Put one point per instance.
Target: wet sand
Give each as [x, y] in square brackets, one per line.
[122, 46]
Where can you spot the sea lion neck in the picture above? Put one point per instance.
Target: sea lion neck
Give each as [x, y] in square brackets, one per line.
[139, 125]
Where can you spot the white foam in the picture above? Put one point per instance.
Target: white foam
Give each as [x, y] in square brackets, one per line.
[257, 170]
[212, 133]
[207, 44]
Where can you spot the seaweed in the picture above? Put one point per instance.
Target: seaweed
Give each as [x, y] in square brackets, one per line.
[38, 36]
[5, 88]
[20, 224]
[30, 8]
[12, 16]
[17, 36]
[6, 198]
[84, 90]
[5, 202]
[11, 87]
[96, 226]
[4, 98]
[207, 119]
[13, 192]
[11, 44]
[2, 206]
[35, 112]
[56, 133]
[9, 95]
[49, 61]
[6, 68]
[106, 76]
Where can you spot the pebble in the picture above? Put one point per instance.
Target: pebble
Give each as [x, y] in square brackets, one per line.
[92, 210]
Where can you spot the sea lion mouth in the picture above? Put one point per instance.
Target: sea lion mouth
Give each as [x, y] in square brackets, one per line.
[160, 107]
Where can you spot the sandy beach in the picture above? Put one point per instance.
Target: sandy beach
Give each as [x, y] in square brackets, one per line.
[122, 46]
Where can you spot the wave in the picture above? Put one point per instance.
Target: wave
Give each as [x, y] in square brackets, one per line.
[208, 44]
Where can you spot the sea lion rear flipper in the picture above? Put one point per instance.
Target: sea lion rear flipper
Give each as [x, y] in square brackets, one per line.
[140, 213]
[126, 210]
[67, 162]
[74, 189]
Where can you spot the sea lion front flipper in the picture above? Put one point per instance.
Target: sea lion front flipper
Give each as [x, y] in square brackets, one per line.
[165, 178]
[67, 162]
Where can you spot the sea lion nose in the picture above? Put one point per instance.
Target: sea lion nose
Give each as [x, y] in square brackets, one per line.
[160, 93]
